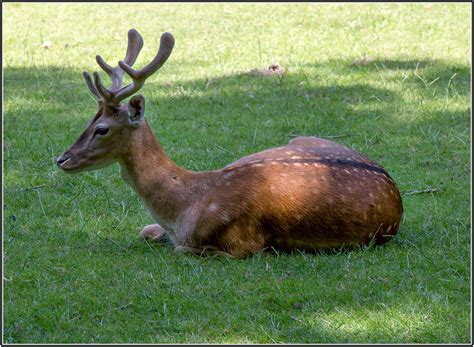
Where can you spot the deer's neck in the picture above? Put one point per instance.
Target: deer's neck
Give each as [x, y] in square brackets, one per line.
[160, 183]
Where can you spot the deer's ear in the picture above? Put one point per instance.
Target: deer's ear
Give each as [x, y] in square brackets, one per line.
[136, 110]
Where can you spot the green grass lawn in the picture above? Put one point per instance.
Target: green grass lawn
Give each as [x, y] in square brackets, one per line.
[391, 81]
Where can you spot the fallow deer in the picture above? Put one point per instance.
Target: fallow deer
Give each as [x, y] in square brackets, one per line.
[310, 194]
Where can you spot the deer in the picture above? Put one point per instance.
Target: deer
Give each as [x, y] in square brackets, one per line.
[311, 194]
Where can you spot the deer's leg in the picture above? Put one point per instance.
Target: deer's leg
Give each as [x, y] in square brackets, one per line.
[203, 232]
[202, 251]
[239, 240]
[155, 233]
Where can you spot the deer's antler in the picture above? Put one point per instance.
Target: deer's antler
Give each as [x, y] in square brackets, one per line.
[135, 44]
[116, 93]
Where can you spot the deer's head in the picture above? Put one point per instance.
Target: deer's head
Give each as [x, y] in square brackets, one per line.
[109, 131]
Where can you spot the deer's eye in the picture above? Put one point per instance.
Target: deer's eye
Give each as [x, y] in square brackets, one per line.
[101, 131]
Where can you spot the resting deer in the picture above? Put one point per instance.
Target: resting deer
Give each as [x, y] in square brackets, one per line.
[311, 194]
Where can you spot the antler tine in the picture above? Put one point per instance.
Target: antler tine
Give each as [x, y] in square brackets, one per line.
[139, 77]
[106, 94]
[91, 85]
[115, 73]
[135, 44]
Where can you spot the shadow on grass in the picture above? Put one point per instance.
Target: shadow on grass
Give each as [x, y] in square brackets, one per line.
[223, 119]
[240, 114]
[296, 94]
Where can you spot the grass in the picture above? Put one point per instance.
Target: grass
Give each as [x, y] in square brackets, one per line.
[74, 269]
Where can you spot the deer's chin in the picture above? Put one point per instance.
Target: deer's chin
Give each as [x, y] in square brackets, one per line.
[79, 166]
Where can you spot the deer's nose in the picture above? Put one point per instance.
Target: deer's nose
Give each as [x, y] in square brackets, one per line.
[61, 160]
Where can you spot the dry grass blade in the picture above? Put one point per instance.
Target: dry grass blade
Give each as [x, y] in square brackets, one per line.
[413, 192]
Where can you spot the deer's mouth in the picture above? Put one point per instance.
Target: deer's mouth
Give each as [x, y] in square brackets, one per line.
[63, 164]
[72, 165]
[69, 166]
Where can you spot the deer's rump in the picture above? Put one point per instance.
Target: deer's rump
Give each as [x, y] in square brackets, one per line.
[305, 200]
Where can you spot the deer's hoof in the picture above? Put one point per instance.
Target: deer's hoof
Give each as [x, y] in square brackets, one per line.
[155, 233]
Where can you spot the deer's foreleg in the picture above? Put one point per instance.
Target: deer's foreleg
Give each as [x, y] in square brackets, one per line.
[155, 233]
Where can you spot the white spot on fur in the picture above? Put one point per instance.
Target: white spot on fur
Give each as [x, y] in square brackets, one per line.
[225, 217]
[213, 207]
[295, 157]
